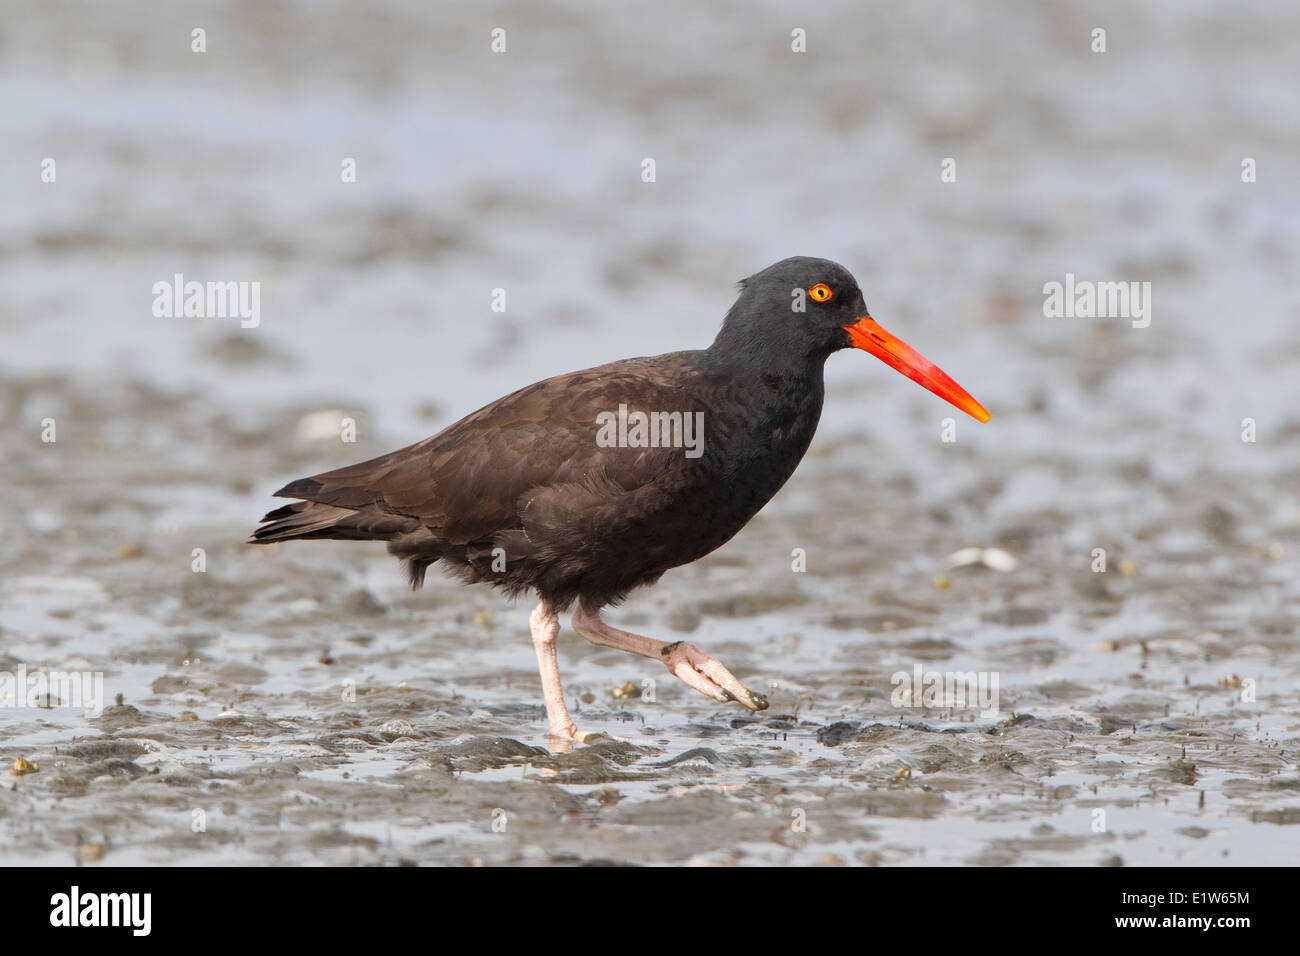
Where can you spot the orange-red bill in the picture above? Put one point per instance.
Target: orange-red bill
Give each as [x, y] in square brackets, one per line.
[867, 335]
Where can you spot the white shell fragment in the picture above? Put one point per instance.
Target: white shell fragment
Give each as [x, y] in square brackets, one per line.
[993, 558]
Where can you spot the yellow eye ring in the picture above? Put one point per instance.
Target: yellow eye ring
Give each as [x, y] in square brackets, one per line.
[821, 292]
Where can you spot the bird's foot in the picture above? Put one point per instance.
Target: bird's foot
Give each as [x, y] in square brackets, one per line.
[563, 742]
[706, 674]
[562, 739]
[573, 733]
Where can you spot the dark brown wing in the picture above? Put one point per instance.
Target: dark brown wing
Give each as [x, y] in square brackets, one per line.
[465, 484]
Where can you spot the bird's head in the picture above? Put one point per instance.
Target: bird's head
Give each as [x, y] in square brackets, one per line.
[804, 308]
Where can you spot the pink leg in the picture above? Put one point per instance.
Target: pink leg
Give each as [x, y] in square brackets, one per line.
[687, 662]
[545, 624]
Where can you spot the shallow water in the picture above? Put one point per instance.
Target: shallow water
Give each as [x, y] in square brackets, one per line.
[307, 708]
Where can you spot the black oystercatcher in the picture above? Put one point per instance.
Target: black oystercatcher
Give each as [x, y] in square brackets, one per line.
[587, 485]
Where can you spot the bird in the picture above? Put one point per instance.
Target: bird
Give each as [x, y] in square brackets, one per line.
[584, 487]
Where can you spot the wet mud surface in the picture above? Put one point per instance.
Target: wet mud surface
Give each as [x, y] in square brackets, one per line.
[313, 710]
[297, 704]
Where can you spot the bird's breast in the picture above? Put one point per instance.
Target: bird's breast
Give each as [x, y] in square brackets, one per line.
[751, 450]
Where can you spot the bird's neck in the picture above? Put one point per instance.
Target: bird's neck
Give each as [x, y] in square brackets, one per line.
[782, 393]
[743, 357]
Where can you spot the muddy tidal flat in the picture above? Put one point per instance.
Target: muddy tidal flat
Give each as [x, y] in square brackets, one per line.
[1114, 557]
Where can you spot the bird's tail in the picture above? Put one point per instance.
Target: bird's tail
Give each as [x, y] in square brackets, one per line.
[305, 520]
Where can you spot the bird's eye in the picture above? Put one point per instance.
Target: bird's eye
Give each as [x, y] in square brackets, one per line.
[821, 292]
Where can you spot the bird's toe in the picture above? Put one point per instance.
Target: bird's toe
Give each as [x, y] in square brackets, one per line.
[709, 676]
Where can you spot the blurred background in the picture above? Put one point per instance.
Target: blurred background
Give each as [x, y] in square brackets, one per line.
[522, 171]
